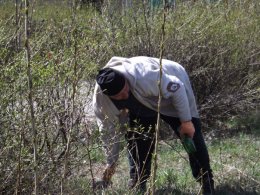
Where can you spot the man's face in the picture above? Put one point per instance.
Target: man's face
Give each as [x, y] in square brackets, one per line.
[123, 94]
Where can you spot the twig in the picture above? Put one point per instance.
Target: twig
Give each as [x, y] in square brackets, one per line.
[90, 160]
[30, 96]
[154, 167]
[147, 29]
[74, 90]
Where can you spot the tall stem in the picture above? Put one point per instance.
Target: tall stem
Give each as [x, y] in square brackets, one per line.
[74, 89]
[30, 95]
[157, 128]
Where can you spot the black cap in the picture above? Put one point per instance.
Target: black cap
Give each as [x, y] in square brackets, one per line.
[110, 81]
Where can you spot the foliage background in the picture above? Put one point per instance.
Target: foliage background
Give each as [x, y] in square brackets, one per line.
[217, 42]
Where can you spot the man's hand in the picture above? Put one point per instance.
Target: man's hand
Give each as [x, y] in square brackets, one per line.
[187, 128]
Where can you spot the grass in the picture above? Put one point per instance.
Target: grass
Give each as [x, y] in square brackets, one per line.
[235, 162]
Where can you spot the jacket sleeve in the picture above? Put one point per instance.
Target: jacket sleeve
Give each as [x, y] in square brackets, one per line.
[174, 88]
[110, 125]
[110, 139]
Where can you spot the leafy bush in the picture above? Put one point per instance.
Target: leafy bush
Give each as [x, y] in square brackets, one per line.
[217, 43]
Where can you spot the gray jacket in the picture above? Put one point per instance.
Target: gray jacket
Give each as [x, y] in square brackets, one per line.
[143, 74]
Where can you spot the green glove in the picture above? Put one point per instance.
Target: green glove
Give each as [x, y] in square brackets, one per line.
[188, 144]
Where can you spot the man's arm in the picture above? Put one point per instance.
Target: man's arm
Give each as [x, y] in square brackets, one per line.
[111, 130]
[173, 88]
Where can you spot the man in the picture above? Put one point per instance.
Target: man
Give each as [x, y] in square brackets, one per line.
[127, 91]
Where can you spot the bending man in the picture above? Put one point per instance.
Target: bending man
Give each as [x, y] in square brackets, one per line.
[127, 91]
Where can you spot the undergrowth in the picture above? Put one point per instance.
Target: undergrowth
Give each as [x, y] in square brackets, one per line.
[217, 43]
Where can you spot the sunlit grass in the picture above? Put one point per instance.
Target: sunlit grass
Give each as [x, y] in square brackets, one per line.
[235, 163]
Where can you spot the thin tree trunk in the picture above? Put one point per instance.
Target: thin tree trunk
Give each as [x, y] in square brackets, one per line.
[30, 95]
[18, 7]
[17, 25]
[154, 167]
[17, 46]
[18, 180]
[74, 89]
[148, 29]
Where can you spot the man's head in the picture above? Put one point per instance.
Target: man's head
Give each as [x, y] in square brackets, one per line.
[113, 83]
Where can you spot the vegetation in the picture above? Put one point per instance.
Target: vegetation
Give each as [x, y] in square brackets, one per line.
[218, 44]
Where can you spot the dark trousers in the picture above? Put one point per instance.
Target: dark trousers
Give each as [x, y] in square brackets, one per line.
[141, 146]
